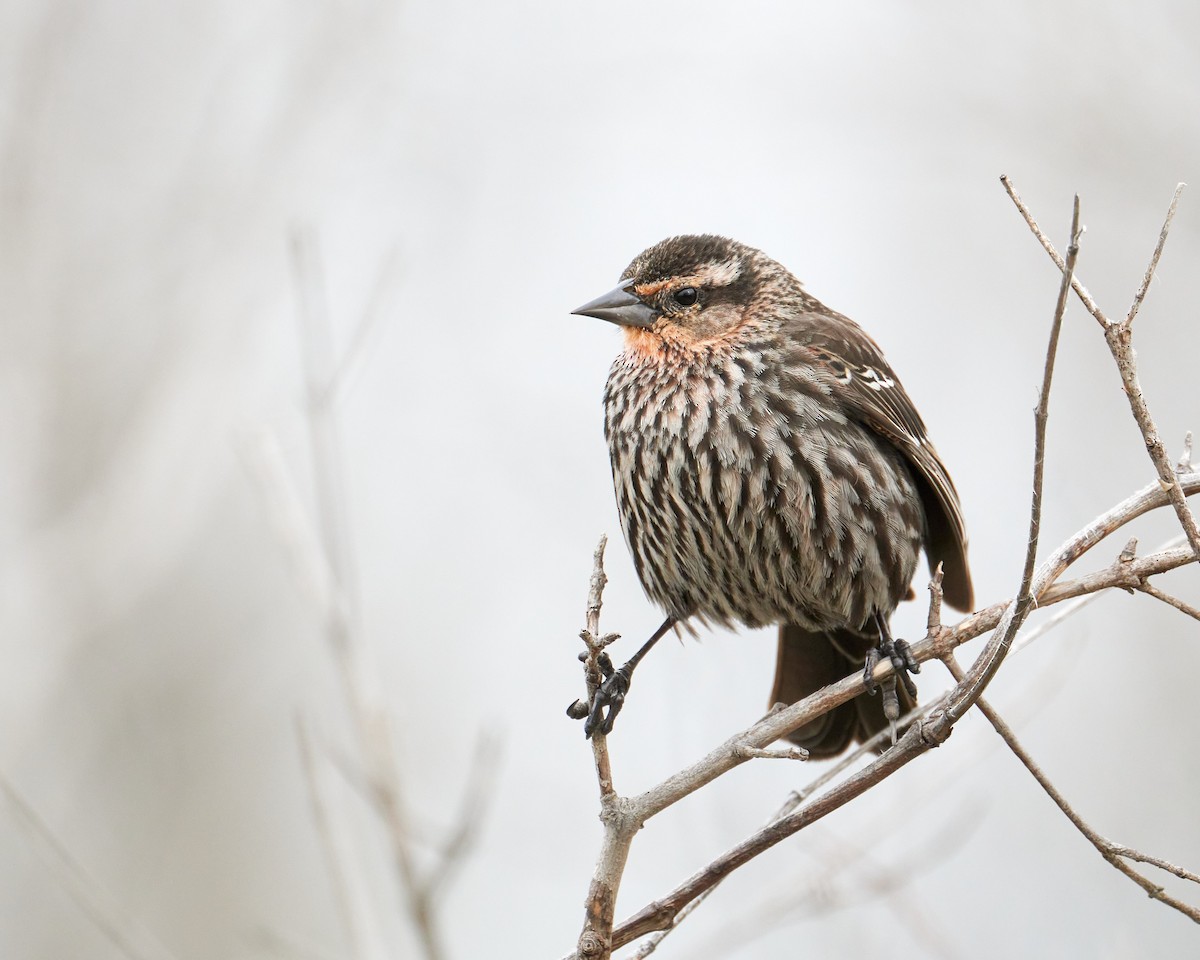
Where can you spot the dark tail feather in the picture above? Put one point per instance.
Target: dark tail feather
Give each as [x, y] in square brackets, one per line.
[809, 660]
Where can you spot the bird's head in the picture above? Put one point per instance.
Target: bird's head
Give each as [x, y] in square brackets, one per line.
[689, 290]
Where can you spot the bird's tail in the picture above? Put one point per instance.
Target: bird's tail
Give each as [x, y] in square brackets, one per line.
[811, 659]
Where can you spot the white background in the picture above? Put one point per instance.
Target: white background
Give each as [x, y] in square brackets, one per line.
[485, 168]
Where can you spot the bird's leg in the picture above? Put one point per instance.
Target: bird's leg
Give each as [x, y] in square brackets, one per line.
[903, 662]
[611, 693]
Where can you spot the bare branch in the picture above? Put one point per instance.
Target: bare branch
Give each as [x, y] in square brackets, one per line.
[1113, 853]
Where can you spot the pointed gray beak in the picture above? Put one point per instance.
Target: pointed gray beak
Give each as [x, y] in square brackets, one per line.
[619, 306]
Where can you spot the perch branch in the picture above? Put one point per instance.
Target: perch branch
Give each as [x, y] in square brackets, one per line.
[870, 745]
[595, 940]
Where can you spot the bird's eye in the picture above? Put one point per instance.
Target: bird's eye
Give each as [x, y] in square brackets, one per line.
[686, 296]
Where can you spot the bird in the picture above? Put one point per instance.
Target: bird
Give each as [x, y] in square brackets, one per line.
[769, 469]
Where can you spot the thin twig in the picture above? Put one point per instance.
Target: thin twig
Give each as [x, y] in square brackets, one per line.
[279, 945]
[355, 919]
[356, 350]
[809, 896]
[121, 928]
[651, 943]
[1172, 601]
[988, 662]
[1158, 249]
[1113, 853]
[464, 832]
[1080, 290]
[359, 686]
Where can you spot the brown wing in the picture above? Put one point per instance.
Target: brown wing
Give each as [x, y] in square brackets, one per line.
[874, 393]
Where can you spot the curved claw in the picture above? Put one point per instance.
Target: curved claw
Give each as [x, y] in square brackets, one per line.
[869, 670]
[611, 694]
[903, 662]
[577, 710]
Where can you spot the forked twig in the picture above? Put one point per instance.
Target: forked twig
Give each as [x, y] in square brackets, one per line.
[1119, 337]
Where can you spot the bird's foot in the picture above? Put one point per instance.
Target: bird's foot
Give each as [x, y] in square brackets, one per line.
[610, 693]
[608, 701]
[578, 708]
[903, 662]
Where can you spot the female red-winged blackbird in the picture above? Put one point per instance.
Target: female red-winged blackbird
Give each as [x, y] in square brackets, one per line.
[769, 468]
